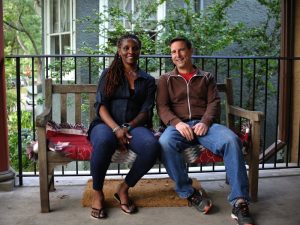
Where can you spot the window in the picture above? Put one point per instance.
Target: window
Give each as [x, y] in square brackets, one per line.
[59, 27]
[133, 7]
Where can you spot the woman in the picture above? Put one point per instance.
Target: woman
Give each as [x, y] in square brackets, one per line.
[124, 104]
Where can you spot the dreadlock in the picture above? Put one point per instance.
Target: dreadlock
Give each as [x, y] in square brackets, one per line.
[116, 69]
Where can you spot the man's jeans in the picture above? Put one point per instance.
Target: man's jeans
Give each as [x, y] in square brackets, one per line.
[221, 141]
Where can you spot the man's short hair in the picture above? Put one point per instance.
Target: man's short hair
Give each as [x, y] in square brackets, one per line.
[184, 39]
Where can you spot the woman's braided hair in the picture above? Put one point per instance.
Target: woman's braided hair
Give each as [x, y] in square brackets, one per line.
[115, 73]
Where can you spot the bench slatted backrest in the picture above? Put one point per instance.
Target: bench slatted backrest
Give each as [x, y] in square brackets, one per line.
[226, 87]
[90, 90]
[79, 91]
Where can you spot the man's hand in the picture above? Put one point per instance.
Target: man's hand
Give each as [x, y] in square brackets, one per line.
[185, 130]
[200, 129]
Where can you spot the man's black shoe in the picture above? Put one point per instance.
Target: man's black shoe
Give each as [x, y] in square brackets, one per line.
[240, 213]
[200, 202]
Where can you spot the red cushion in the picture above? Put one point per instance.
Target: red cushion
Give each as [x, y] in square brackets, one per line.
[206, 156]
[79, 147]
[73, 136]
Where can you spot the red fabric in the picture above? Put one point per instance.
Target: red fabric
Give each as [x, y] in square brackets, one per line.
[207, 156]
[188, 76]
[79, 147]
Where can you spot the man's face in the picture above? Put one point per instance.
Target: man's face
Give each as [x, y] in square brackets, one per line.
[181, 55]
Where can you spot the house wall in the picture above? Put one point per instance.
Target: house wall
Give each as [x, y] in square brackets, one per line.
[85, 8]
[249, 12]
[296, 88]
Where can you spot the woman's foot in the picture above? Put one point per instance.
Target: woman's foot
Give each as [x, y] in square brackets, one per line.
[122, 197]
[98, 213]
[98, 209]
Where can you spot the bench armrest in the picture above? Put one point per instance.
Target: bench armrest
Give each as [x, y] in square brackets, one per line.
[43, 118]
[256, 116]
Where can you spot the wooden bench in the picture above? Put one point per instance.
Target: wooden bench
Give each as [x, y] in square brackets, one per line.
[48, 160]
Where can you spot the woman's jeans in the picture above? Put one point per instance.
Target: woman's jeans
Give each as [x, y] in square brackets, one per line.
[221, 141]
[104, 143]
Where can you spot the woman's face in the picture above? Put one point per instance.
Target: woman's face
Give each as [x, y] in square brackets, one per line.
[129, 51]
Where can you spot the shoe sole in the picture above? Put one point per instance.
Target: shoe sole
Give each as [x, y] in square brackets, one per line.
[117, 198]
[98, 218]
[236, 219]
[205, 210]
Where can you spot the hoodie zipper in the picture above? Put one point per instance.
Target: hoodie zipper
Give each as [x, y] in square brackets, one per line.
[188, 94]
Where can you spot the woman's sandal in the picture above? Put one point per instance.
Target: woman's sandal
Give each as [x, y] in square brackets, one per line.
[130, 207]
[98, 213]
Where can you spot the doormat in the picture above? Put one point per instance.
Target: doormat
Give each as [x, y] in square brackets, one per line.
[146, 193]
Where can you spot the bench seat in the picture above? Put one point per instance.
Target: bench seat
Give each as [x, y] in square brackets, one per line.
[74, 144]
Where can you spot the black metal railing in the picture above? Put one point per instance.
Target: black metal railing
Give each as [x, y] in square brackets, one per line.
[257, 86]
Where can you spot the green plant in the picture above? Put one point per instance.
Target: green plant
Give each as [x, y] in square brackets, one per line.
[26, 138]
[60, 68]
[23, 30]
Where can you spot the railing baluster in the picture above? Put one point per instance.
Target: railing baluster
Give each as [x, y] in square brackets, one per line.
[19, 119]
[265, 109]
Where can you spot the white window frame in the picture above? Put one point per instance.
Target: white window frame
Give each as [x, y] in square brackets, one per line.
[47, 25]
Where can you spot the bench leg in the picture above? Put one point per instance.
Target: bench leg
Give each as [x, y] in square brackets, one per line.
[254, 161]
[226, 179]
[51, 181]
[253, 180]
[43, 171]
[44, 190]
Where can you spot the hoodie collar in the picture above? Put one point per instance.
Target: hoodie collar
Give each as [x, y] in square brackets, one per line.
[199, 72]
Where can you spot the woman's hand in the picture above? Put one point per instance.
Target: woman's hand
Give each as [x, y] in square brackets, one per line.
[124, 138]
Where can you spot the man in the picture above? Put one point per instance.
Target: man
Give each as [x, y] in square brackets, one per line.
[188, 103]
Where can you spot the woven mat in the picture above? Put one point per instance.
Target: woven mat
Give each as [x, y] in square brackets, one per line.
[146, 193]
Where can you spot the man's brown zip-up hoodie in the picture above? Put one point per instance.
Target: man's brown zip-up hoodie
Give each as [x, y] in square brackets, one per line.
[180, 100]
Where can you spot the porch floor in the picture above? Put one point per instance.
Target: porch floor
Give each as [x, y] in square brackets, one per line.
[278, 204]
